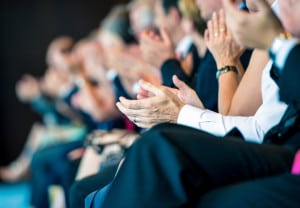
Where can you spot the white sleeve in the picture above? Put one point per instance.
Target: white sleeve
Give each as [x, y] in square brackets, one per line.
[253, 128]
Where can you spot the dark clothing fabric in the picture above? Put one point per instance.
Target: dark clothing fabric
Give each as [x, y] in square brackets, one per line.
[203, 81]
[276, 192]
[177, 165]
[119, 89]
[288, 129]
[48, 108]
[289, 78]
[52, 166]
[172, 67]
[80, 189]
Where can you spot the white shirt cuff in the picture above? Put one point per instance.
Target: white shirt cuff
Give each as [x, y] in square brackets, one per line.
[204, 120]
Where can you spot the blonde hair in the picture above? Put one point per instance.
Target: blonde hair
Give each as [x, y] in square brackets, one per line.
[190, 10]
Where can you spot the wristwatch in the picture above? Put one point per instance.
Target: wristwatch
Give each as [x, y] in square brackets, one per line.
[226, 69]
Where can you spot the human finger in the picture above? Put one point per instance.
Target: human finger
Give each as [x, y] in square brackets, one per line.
[129, 112]
[165, 35]
[179, 84]
[146, 103]
[142, 93]
[206, 35]
[222, 23]
[210, 30]
[150, 87]
[215, 24]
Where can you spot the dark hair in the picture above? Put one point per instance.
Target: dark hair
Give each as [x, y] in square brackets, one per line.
[168, 4]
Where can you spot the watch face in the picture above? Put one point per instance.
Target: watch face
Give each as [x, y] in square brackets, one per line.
[226, 69]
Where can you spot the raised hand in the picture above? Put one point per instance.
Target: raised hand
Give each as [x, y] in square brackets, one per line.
[157, 49]
[220, 42]
[255, 30]
[186, 94]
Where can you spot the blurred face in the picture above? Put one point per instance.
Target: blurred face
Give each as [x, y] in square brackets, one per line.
[290, 16]
[207, 7]
[141, 19]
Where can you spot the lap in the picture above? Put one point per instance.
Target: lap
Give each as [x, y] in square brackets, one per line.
[276, 191]
[222, 154]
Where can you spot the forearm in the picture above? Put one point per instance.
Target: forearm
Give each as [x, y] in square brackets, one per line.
[228, 84]
[247, 98]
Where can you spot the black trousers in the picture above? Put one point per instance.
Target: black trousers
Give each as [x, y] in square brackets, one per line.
[80, 189]
[275, 191]
[52, 166]
[173, 166]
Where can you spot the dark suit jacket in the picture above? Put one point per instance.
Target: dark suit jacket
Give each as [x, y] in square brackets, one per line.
[288, 129]
[289, 81]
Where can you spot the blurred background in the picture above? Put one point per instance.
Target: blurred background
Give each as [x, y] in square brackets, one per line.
[27, 27]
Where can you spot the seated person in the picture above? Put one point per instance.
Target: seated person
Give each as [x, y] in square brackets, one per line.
[159, 51]
[177, 165]
[50, 97]
[165, 105]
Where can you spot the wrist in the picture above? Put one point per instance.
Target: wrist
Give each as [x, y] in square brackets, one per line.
[226, 69]
[222, 64]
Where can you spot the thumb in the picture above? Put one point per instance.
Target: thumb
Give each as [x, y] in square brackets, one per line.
[165, 36]
[180, 84]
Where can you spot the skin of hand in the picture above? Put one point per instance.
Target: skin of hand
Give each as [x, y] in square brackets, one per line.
[157, 49]
[220, 41]
[186, 63]
[130, 65]
[186, 94]
[254, 30]
[163, 106]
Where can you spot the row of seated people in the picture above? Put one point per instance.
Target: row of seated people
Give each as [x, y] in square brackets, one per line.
[215, 90]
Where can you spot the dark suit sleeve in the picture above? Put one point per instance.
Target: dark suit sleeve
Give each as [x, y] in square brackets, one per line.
[173, 67]
[289, 82]
[169, 68]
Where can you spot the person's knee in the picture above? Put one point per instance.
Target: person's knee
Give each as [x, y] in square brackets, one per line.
[163, 126]
[38, 160]
[75, 196]
[230, 196]
[151, 138]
